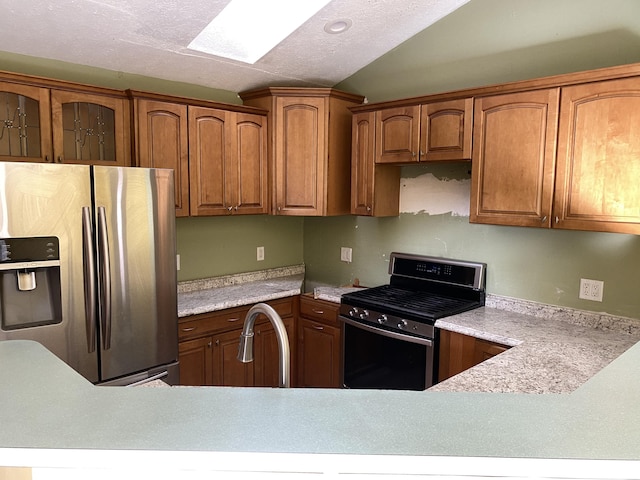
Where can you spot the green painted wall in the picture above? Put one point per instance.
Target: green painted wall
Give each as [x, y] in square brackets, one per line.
[485, 42]
[495, 41]
[212, 246]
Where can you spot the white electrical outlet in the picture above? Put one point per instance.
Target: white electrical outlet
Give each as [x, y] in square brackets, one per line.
[591, 289]
[260, 254]
[345, 254]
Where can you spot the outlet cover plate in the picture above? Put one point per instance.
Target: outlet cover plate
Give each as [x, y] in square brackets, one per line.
[591, 289]
[345, 254]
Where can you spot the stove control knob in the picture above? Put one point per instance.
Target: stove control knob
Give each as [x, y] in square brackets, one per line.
[364, 315]
[402, 324]
[353, 312]
[382, 319]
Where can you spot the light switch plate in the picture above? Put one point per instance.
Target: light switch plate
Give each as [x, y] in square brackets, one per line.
[345, 254]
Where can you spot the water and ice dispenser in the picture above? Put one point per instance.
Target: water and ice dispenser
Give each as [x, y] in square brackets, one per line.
[29, 282]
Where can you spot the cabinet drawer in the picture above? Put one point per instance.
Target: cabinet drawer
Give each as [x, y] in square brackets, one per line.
[206, 324]
[320, 310]
[283, 306]
[228, 319]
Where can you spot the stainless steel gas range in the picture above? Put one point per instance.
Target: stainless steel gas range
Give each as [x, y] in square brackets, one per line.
[390, 340]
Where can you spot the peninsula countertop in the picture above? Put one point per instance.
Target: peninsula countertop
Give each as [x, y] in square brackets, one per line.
[63, 426]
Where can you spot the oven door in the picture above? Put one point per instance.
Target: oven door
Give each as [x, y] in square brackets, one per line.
[380, 359]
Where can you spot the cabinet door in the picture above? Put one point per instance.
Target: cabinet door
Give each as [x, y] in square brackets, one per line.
[267, 354]
[210, 140]
[248, 164]
[459, 352]
[362, 163]
[398, 135]
[445, 130]
[299, 160]
[227, 369]
[162, 142]
[319, 350]
[375, 189]
[514, 139]
[25, 125]
[598, 166]
[90, 128]
[196, 362]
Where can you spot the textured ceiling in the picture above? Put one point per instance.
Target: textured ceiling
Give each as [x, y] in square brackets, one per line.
[150, 37]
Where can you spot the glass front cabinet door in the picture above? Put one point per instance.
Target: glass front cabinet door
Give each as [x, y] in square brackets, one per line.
[90, 129]
[25, 123]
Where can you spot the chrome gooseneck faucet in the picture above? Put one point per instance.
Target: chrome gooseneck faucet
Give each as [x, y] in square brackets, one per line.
[245, 350]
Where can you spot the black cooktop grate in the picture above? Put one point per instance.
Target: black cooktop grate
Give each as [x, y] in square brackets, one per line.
[409, 303]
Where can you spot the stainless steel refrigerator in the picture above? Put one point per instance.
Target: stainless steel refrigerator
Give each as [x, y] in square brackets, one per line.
[88, 267]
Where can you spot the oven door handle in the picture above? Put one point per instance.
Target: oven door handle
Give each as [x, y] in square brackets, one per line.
[387, 333]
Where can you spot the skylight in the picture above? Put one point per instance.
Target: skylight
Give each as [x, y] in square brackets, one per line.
[246, 30]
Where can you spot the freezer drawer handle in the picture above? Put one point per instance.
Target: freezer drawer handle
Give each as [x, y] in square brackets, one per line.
[89, 280]
[105, 279]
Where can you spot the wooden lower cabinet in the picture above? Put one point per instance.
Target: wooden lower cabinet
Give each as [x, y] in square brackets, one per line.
[208, 347]
[319, 344]
[460, 352]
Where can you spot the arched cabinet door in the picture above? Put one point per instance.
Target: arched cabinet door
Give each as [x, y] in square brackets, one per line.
[598, 164]
[162, 141]
[90, 128]
[25, 125]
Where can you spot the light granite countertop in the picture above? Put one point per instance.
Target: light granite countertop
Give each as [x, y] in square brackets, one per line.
[555, 350]
[218, 293]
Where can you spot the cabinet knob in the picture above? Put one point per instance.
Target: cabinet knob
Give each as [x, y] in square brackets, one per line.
[557, 220]
[217, 343]
[544, 219]
[60, 159]
[318, 327]
[189, 329]
[229, 208]
[319, 312]
[368, 208]
[209, 344]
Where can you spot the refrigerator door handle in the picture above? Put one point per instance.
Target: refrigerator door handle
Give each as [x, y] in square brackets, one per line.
[90, 299]
[105, 278]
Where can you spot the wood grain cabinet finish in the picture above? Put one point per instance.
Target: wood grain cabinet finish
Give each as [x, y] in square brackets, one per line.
[598, 165]
[460, 352]
[45, 120]
[208, 347]
[227, 162]
[375, 188]
[91, 128]
[319, 344]
[514, 158]
[25, 123]
[438, 131]
[162, 141]
[559, 158]
[310, 148]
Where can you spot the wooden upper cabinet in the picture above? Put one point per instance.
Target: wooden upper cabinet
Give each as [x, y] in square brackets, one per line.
[227, 161]
[438, 131]
[91, 128]
[514, 143]
[446, 130]
[375, 189]
[310, 148]
[598, 166]
[25, 123]
[162, 141]
[398, 135]
[250, 164]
